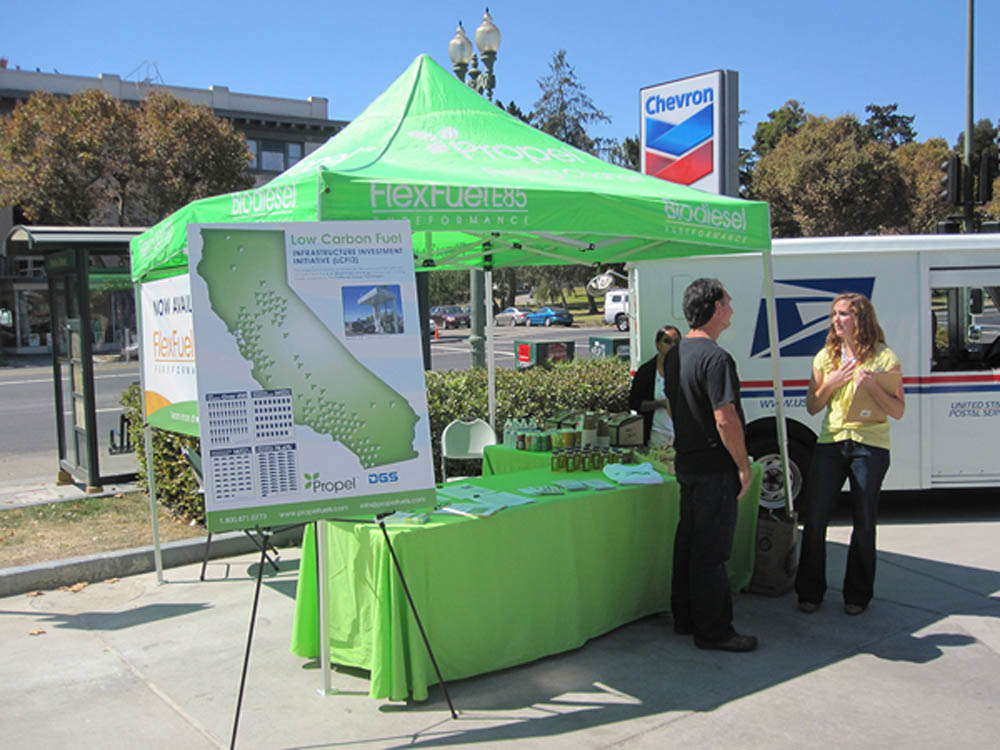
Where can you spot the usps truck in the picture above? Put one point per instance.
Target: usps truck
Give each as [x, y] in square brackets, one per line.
[938, 301]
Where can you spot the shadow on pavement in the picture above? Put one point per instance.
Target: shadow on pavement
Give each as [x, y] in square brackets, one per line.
[644, 669]
[112, 620]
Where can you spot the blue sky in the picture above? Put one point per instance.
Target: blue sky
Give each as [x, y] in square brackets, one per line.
[835, 57]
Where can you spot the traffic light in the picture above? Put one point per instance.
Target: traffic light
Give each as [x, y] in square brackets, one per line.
[987, 173]
[951, 180]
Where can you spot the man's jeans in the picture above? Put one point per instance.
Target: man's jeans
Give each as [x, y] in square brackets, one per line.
[866, 466]
[700, 597]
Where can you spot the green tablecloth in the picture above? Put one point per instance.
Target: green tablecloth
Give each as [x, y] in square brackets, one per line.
[499, 459]
[494, 592]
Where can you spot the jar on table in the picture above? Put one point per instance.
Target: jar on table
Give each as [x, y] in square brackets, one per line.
[558, 462]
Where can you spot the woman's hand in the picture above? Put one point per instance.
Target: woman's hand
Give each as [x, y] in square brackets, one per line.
[842, 374]
[893, 404]
[865, 379]
[823, 386]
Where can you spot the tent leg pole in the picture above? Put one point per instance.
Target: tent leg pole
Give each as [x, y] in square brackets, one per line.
[154, 522]
[491, 384]
[779, 393]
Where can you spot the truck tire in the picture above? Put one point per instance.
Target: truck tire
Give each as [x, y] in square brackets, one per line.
[621, 322]
[764, 450]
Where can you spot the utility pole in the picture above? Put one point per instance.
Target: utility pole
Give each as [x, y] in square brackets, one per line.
[968, 198]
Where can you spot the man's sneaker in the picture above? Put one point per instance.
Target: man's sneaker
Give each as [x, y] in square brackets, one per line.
[854, 609]
[737, 643]
[808, 607]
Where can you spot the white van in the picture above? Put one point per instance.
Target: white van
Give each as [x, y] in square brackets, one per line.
[616, 308]
[938, 301]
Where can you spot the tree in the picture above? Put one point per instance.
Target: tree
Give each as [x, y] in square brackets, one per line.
[514, 110]
[620, 153]
[448, 287]
[564, 109]
[781, 122]
[188, 153]
[919, 165]
[91, 159]
[984, 140]
[831, 178]
[65, 161]
[885, 126]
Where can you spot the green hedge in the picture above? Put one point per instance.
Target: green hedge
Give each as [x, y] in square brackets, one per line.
[452, 394]
[176, 485]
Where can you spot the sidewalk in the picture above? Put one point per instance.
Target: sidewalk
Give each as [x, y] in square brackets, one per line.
[21, 493]
[126, 663]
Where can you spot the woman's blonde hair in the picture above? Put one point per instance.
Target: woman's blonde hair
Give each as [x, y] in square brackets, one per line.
[869, 332]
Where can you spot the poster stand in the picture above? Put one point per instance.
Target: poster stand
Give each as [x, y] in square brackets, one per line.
[265, 537]
[321, 576]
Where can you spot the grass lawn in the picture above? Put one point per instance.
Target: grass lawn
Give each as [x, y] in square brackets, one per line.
[56, 531]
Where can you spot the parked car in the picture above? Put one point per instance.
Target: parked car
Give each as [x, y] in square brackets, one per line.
[616, 308]
[513, 316]
[547, 316]
[450, 316]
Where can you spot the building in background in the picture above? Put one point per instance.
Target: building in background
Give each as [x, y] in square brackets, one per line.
[279, 133]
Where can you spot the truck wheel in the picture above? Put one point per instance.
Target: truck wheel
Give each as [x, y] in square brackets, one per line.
[765, 452]
[621, 322]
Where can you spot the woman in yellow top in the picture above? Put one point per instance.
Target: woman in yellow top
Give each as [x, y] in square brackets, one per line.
[855, 351]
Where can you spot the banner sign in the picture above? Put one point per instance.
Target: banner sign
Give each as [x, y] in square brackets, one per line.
[690, 132]
[310, 376]
[170, 391]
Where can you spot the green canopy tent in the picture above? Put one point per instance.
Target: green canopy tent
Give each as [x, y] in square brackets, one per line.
[481, 189]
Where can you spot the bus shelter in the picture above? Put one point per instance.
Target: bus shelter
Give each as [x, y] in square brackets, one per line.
[90, 309]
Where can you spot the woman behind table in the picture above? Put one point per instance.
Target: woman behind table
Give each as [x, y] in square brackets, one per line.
[855, 351]
[647, 395]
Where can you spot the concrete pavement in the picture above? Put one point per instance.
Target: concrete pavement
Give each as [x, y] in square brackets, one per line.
[128, 663]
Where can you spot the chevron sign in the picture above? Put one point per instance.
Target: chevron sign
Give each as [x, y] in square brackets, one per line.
[681, 123]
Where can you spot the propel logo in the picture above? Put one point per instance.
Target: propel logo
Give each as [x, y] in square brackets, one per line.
[265, 200]
[448, 140]
[314, 483]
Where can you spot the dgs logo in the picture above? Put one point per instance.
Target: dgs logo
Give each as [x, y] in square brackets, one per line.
[383, 477]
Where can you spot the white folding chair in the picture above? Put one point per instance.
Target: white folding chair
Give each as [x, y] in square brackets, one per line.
[464, 439]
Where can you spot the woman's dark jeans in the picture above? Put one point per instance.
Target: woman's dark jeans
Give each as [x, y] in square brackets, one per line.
[866, 466]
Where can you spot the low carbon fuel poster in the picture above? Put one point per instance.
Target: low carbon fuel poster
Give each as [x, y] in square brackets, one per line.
[311, 393]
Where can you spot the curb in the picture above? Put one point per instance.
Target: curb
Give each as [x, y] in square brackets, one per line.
[121, 563]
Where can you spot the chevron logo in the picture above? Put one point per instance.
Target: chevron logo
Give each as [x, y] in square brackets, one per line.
[681, 152]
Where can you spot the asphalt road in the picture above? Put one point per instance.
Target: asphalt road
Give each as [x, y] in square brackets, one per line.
[28, 421]
[27, 411]
[452, 352]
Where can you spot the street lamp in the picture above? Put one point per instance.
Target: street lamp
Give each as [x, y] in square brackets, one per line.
[465, 62]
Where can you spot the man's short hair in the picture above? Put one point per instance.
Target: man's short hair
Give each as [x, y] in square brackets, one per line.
[699, 301]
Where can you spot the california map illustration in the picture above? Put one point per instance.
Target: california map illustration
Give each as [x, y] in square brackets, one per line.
[289, 346]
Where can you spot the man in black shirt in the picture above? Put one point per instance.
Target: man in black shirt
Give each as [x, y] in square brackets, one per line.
[713, 469]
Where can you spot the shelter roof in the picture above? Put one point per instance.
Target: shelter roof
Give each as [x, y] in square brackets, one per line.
[40, 240]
